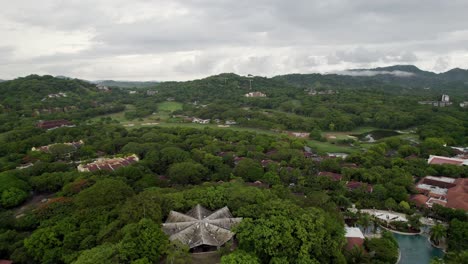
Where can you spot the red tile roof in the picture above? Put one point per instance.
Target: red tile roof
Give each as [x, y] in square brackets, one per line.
[439, 160]
[353, 185]
[419, 199]
[331, 175]
[354, 242]
[53, 124]
[457, 197]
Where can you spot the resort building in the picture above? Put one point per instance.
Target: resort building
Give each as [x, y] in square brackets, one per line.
[45, 149]
[445, 191]
[255, 94]
[109, 164]
[53, 124]
[201, 229]
[440, 160]
[354, 237]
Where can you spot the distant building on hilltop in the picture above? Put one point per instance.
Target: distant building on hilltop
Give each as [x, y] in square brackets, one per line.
[445, 101]
[445, 98]
[255, 94]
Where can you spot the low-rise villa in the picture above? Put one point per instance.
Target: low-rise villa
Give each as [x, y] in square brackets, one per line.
[441, 160]
[354, 237]
[46, 148]
[109, 164]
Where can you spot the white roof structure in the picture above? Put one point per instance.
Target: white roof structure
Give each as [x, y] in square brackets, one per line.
[441, 178]
[353, 232]
[432, 188]
[201, 226]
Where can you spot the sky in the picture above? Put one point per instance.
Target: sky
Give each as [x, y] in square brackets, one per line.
[190, 39]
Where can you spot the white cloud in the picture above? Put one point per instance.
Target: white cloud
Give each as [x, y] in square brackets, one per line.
[177, 40]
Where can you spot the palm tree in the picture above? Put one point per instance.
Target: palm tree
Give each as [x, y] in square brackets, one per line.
[364, 220]
[438, 232]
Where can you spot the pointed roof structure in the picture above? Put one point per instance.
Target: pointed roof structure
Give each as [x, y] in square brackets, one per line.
[200, 226]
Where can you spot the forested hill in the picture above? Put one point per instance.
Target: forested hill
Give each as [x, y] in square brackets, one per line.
[392, 77]
[48, 97]
[37, 90]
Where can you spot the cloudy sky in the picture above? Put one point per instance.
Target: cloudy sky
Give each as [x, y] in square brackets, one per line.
[187, 39]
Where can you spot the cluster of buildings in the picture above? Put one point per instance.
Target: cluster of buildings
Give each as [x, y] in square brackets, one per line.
[76, 145]
[255, 94]
[299, 134]
[51, 110]
[108, 164]
[325, 92]
[445, 191]
[350, 185]
[103, 88]
[53, 124]
[151, 92]
[57, 95]
[200, 121]
[445, 101]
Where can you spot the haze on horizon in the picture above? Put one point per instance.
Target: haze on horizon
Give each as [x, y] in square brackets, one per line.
[181, 40]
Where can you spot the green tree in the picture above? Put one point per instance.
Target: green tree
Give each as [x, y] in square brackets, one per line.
[142, 239]
[364, 220]
[44, 245]
[240, 257]
[357, 255]
[178, 253]
[249, 170]
[438, 232]
[457, 234]
[12, 197]
[143, 205]
[105, 254]
[107, 192]
[187, 173]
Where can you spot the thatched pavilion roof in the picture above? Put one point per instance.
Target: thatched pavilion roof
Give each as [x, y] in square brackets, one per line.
[200, 226]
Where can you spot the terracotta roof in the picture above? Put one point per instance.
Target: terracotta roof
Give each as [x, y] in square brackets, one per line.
[439, 160]
[354, 242]
[53, 124]
[457, 197]
[419, 199]
[353, 185]
[331, 175]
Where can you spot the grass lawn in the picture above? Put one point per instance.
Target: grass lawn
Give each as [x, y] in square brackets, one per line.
[329, 147]
[169, 106]
[166, 108]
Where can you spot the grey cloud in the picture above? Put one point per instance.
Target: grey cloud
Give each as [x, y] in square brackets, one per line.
[374, 73]
[267, 36]
[363, 55]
